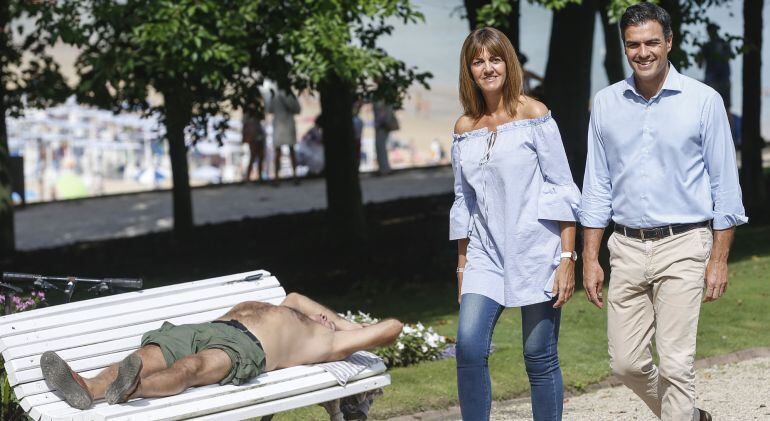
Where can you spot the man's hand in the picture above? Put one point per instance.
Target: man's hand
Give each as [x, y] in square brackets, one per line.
[564, 282]
[593, 282]
[593, 275]
[716, 280]
[716, 269]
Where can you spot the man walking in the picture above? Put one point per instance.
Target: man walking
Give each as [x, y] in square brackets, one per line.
[661, 165]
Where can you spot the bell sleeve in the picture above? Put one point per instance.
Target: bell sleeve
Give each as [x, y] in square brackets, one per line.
[465, 197]
[559, 196]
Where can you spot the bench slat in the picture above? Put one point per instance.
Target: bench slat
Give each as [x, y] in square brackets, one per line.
[58, 407]
[130, 307]
[49, 397]
[264, 385]
[299, 401]
[127, 296]
[166, 312]
[233, 400]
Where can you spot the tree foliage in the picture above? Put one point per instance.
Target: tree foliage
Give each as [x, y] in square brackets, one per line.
[208, 52]
[685, 14]
[340, 37]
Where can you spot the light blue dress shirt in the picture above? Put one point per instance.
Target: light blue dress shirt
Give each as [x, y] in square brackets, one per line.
[512, 186]
[669, 160]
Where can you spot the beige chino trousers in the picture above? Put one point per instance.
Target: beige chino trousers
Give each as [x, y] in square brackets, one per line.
[656, 289]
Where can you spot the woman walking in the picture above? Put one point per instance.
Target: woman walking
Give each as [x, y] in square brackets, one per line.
[513, 217]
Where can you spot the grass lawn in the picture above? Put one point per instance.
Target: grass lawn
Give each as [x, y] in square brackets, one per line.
[737, 321]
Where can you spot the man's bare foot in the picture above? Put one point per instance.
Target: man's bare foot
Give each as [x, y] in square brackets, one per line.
[59, 376]
[126, 382]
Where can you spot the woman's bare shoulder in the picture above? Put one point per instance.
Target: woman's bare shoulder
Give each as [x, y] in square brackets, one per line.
[464, 124]
[530, 108]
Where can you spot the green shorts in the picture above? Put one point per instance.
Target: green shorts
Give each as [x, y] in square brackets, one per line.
[177, 342]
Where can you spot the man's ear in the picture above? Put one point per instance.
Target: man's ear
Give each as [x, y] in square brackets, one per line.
[669, 43]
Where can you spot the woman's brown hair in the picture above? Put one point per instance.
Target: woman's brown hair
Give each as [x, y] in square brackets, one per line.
[496, 44]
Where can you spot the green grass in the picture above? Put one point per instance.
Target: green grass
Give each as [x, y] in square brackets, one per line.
[737, 321]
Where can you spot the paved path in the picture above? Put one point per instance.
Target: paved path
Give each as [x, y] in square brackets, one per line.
[739, 391]
[733, 387]
[60, 223]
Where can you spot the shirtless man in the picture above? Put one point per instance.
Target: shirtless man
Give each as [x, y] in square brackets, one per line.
[251, 338]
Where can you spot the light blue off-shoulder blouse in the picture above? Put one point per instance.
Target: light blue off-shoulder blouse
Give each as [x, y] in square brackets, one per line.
[512, 186]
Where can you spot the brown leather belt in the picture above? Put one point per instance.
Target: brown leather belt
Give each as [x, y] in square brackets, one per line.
[658, 232]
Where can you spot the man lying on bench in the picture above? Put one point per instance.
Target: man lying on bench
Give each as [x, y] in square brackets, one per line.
[251, 338]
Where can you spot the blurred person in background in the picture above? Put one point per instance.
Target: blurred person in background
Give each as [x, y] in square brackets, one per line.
[385, 121]
[284, 106]
[253, 135]
[716, 55]
[358, 129]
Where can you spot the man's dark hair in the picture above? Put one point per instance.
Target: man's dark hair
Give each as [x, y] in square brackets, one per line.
[644, 12]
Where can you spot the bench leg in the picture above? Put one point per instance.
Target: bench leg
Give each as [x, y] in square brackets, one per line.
[333, 409]
[266, 418]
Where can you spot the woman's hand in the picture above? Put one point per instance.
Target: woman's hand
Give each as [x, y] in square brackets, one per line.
[462, 250]
[564, 282]
[459, 287]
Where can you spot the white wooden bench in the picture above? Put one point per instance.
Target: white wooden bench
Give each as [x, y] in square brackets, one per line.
[93, 334]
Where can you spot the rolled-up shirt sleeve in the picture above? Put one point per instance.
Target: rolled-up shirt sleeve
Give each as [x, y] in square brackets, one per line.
[720, 162]
[465, 198]
[596, 202]
[559, 196]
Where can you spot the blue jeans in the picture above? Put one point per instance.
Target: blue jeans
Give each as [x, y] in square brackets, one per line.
[540, 328]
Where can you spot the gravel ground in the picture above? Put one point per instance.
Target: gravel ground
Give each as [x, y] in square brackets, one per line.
[739, 391]
[737, 388]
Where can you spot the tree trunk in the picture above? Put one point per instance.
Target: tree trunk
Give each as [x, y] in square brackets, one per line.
[752, 178]
[677, 56]
[613, 49]
[512, 30]
[178, 112]
[472, 11]
[568, 78]
[512, 20]
[343, 189]
[7, 237]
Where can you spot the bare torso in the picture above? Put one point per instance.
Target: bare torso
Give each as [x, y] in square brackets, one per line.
[288, 337]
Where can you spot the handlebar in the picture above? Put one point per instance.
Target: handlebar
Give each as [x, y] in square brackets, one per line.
[98, 286]
[127, 283]
[19, 277]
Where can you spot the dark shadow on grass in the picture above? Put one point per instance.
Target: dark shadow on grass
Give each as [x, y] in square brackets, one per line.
[406, 270]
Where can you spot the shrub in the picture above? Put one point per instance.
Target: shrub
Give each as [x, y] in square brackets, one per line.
[23, 302]
[415, 344]
[9, 405]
